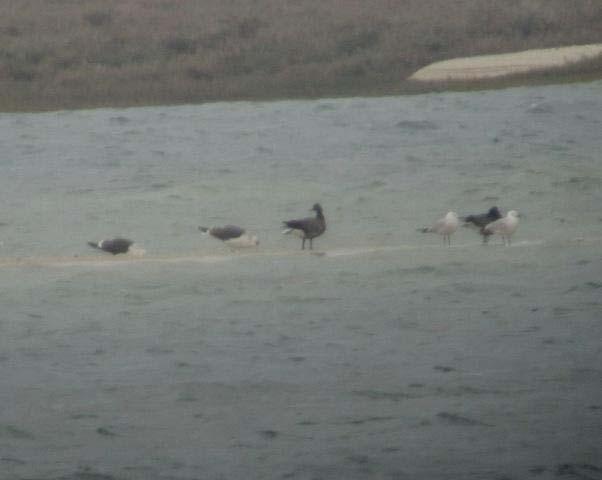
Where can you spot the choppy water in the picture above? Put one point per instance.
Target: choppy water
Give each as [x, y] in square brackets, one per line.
[384, 355]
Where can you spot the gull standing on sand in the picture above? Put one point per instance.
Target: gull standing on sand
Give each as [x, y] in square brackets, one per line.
[232, 236]
[481, 220]
[504, 227]
[445, 226]
[307, 228]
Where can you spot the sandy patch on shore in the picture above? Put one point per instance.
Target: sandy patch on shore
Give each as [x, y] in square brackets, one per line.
[491, 66]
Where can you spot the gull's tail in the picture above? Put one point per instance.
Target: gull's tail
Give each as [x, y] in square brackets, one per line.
[137, 251]
[204, 230]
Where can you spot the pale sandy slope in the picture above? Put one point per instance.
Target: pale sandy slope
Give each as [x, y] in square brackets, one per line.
[491, 66]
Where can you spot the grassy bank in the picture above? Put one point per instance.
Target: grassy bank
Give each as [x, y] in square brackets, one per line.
[86, 53]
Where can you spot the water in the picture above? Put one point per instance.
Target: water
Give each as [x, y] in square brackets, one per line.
[382, 355]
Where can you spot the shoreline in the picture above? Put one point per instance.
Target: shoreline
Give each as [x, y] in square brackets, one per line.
[537, 78]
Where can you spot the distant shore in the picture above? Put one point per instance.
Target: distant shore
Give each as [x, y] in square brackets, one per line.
[110, 53]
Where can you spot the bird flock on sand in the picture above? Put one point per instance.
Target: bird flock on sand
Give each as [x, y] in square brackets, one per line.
[489, 223]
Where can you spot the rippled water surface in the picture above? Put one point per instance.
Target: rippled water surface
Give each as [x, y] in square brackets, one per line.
[381, 355]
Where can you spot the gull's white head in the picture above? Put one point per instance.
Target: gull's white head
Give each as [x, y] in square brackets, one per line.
[513, 214]
[451, 216]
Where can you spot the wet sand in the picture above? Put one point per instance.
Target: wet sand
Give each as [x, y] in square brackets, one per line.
[380, 355]
[418, 362]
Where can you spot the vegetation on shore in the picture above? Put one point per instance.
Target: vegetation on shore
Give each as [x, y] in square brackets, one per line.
[87, 53]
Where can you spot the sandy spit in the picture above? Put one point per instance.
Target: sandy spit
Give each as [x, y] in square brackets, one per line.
[491, 66]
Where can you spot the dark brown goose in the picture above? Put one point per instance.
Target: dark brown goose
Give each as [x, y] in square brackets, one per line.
[307, 228]
[481, 220]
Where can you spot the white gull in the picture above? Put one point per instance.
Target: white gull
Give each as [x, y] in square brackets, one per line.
[445, 226]
[505, 227]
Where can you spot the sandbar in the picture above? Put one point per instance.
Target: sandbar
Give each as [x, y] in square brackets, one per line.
[491, 66]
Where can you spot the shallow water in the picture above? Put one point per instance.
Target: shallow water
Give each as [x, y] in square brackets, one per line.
[381, 355]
